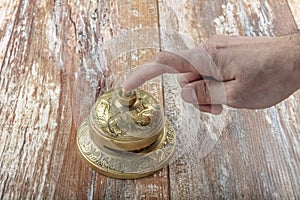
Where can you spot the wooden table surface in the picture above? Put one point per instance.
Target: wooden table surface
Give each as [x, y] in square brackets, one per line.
[57, 56]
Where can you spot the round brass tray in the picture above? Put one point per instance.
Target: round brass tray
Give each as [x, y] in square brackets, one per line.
[126, 164]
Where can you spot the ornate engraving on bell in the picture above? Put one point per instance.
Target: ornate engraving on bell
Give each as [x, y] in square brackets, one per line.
[126, 136]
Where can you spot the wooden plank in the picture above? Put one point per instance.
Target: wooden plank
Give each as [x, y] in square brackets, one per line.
[7, 19]
[36, 116]
[134, 15]
[239, 154]
[295, 8]
[43, 45]
[103, 30]
[282, 18]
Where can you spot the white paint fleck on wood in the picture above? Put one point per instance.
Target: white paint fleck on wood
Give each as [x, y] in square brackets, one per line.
[226, 23]
[295, 8]
[43, 44]
[236, 14]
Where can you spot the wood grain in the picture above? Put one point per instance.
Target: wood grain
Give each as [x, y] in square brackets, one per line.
[124, 18]
[295, 8]
[44, 45]
[240, 154]
[35, 110]
[57, 57]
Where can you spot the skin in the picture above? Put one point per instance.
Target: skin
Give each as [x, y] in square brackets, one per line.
[241, 72]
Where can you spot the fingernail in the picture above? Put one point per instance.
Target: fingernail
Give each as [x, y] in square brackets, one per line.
[188, 94]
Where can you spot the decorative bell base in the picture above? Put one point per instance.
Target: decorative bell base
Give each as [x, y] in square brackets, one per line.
[126, 136]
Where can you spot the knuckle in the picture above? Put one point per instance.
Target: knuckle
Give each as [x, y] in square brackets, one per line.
[216, 43]
[162, 57]
[218, 38]
[211, 49]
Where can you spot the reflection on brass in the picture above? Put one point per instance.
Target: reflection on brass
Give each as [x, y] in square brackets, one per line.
[127, 98]
[126, 136]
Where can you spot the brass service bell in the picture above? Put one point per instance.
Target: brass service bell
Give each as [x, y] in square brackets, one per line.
[126, 135]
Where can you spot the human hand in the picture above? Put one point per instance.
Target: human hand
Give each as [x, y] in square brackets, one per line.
[241, 72]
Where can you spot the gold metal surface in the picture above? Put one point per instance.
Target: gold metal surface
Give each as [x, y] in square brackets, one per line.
[126, 136]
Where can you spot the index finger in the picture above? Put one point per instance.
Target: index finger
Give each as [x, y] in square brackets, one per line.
[194, 60]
